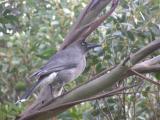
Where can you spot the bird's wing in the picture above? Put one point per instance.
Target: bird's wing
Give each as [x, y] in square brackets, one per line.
[49, 69]
[60, 61]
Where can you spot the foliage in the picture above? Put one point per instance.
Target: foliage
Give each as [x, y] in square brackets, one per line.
[32, 30]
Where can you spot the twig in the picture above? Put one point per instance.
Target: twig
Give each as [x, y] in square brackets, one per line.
[145, 78]
[137, 92]
[101, 110]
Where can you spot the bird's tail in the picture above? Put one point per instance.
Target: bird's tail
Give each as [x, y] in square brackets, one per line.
[28, 92]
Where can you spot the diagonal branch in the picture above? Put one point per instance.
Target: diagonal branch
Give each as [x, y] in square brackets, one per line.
[99, 96]
[151, 65]
[155, 45]
[83, 32]
[89, 14]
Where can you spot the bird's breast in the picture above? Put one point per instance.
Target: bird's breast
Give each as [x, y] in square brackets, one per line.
[71, 74]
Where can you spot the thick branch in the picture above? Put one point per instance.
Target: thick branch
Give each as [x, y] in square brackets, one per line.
[145, 51]
[151, 65]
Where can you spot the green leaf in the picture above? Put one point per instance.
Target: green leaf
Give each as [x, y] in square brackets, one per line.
[11, 18]
[20, 86]
[8, 19]
[98, 67]
[4, 20]
[157, 76]
[130, 35]
[46, 54]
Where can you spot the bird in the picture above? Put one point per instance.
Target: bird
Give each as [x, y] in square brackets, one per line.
[64, 66]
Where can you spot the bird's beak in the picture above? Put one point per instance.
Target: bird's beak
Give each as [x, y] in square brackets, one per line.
[93, 45]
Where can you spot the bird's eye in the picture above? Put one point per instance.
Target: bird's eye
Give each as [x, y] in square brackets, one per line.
[83, 43]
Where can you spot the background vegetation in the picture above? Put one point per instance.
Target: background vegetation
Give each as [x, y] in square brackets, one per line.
[32, 30]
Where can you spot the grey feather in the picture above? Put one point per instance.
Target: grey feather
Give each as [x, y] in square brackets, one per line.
[64, 66]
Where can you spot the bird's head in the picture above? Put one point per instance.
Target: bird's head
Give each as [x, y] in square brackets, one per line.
[87, 46]
[83, 46]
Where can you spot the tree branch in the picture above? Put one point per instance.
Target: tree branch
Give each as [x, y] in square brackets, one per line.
[155, 45]
[82, 32]
[145, 78]
[151, 65]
